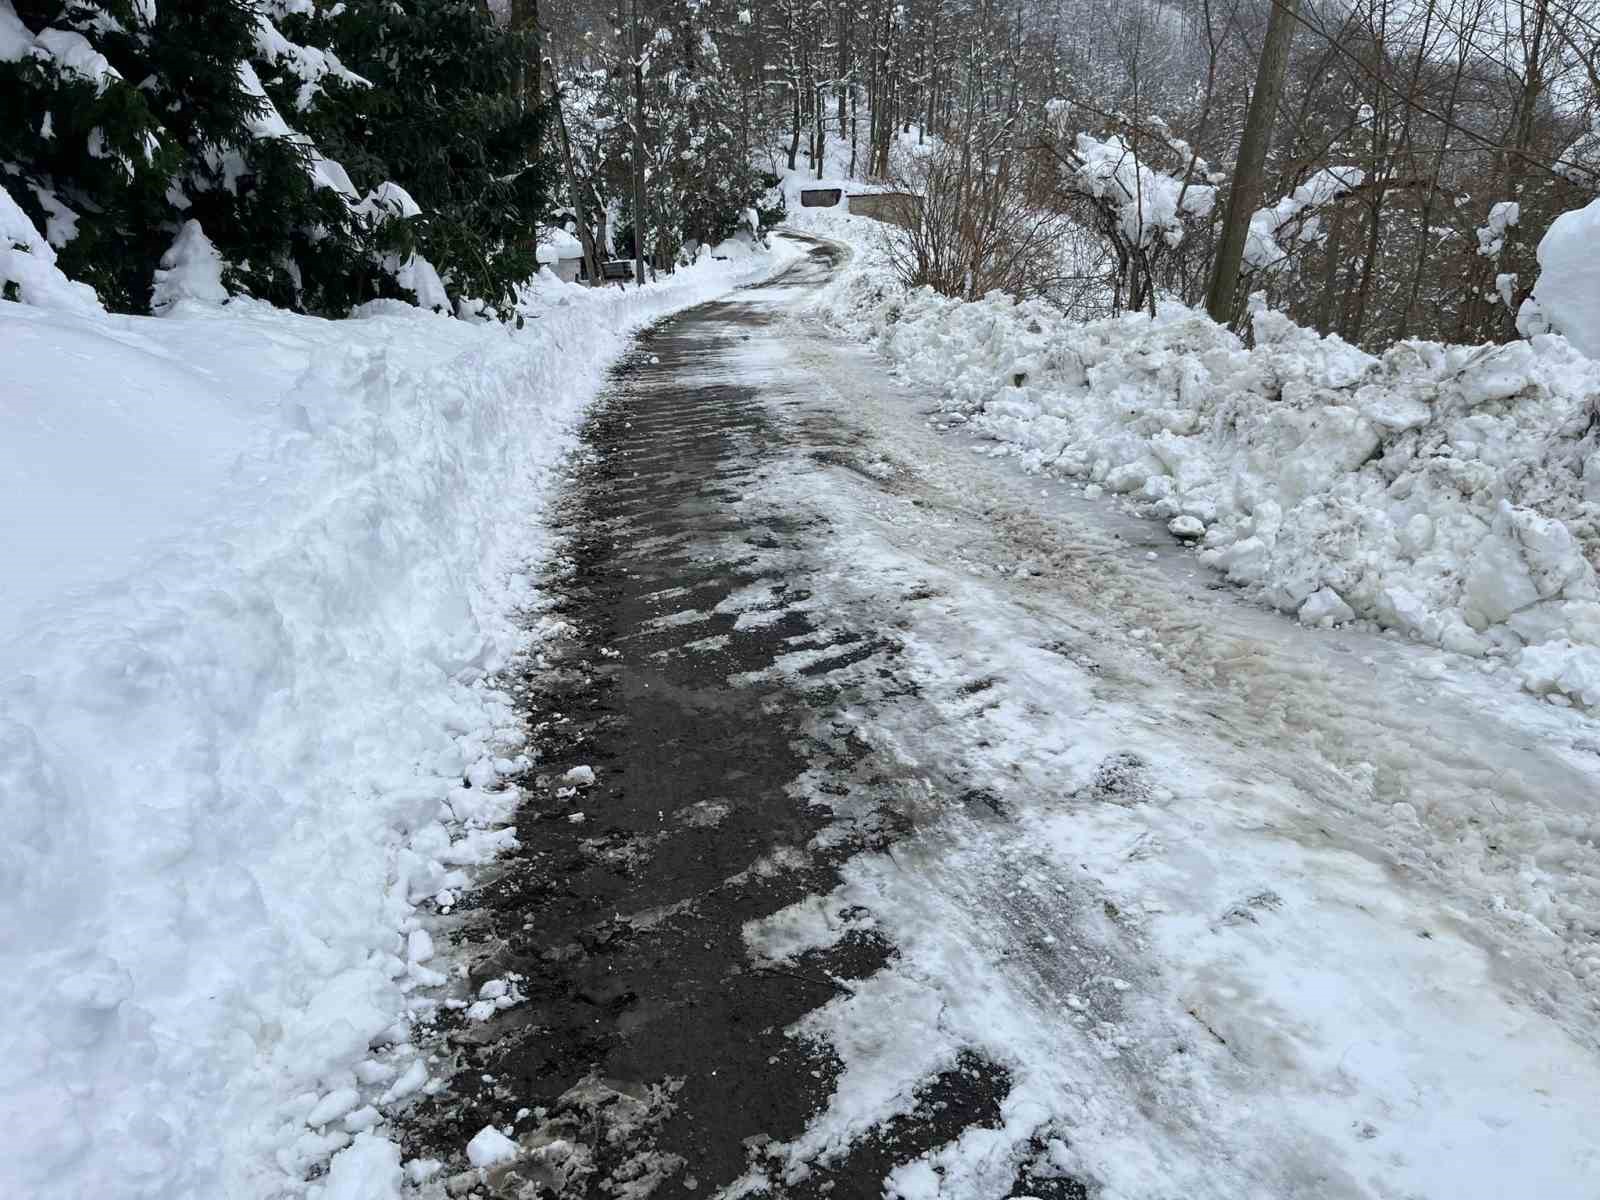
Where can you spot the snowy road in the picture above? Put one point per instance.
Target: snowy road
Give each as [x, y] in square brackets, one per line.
[953, 836]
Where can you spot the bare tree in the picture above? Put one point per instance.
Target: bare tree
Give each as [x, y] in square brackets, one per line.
[1244, 196]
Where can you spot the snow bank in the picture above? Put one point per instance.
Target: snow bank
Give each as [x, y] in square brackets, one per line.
[28, 270]
[259, 574]
[1450, 493]
[1567, 294]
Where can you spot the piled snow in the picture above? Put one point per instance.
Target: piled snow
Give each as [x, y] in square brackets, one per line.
[1449, 493]
[368, 1170]
[741, 245]
[489, 1147]
[249, 620]
[28, 266]
[1568, 291]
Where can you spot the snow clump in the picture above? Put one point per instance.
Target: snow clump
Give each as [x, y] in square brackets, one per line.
[191, 270]
[1567, 296]
[489, 1147]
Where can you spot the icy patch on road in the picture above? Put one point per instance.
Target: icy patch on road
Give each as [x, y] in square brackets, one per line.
[1164, 933]
[1449, 493]
[815, 923]
[1240, 911]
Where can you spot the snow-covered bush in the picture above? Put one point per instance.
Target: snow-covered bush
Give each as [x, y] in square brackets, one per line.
[1136, 184]
[966, 227]
[191, 270]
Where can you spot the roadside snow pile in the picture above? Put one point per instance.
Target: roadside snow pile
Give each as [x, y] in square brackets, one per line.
[28, 270]
[258, 572]
[1567, 296]
[1451, 493]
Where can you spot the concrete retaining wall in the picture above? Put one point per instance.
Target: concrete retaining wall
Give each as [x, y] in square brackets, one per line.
[895, 208]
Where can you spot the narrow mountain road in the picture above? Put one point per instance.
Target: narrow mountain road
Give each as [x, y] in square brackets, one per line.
[693, 672]
[900, 830]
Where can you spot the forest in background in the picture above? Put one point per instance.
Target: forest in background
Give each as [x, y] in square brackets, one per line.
[1392, 179]
[1414, 152]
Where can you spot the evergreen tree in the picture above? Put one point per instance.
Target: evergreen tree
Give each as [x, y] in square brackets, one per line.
[707, 185]
[700, 182]
[83, 152]
[122, 166]
[443, 116]
[122, 121]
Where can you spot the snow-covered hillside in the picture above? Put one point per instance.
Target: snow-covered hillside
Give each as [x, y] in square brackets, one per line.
[259, 569]
[1449, 493]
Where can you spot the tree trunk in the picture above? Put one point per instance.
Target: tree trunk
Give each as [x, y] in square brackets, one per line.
[1330, 276]
[638, 146]
[1244, 197]
[1369, 269]
[822, 136]
[853, 116]
[525, 20]
[591, 255]
[794, 138]
[844, 29]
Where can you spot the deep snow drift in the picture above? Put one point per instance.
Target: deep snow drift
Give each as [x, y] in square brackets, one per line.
[1450, 493]
[258, 573]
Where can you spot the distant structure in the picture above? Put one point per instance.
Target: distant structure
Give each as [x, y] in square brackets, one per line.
[893, 208]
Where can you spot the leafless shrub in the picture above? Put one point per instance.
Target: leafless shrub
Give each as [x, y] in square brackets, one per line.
[975, 230]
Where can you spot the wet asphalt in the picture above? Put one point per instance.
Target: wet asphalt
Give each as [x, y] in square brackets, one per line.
[651, 1056]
